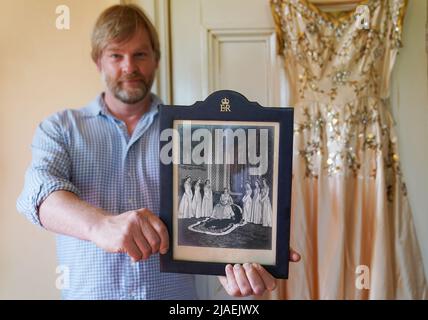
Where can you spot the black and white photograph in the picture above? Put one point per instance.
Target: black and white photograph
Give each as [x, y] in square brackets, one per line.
[224, 205]
[225, 187]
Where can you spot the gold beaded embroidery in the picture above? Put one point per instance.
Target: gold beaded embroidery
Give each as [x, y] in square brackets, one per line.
[339, 70]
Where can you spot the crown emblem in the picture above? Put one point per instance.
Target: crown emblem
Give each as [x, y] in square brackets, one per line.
[225, 105]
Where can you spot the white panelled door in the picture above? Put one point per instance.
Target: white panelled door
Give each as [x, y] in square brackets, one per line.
[224, 44]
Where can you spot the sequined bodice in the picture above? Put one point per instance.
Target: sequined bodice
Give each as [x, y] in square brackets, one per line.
[338, 69]
[338, 59]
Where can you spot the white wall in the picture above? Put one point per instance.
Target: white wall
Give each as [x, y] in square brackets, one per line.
[42, 70]
[410, 109]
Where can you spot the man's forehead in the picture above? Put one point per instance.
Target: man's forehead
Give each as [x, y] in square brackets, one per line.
[138, 40]
[114, 46]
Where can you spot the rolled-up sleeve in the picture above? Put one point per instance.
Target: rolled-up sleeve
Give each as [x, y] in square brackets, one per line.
[50, 168]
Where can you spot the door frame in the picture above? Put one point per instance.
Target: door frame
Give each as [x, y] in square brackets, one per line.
[159, 12]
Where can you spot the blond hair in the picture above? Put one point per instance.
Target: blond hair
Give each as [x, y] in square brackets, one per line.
[119, 23]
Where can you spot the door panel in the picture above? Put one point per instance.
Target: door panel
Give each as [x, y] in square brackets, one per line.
[225, 45]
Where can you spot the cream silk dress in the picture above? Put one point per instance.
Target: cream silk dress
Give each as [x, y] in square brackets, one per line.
[351, 219]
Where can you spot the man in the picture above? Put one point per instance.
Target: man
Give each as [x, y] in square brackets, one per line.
[94, 178]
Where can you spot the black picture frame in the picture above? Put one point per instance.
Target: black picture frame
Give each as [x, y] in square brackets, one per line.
[208, 226]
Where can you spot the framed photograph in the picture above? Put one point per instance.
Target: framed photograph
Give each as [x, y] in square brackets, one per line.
[226, 168]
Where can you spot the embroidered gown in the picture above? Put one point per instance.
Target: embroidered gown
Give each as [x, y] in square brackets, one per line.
[223, 209]
[349, 207]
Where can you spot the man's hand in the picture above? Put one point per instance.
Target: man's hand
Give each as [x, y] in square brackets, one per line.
[250, 279]
[138, 233]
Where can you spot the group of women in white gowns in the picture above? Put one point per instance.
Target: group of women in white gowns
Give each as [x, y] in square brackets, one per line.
[192, 204]
[257, 209]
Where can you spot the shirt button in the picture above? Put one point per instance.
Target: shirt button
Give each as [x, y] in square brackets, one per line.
[130, 201]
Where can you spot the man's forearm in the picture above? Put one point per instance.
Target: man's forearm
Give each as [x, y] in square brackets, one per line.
[64, 213]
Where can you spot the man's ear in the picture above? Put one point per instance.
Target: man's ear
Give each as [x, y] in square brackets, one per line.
[98, 64]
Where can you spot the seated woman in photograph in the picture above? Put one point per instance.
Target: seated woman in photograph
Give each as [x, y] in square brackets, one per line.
[223, 209]
[185, 207]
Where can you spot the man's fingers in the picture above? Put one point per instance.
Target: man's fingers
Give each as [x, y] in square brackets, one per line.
[223, 281]
[142, 244]
[294, 256]
[268, 280]
[150, 235]
[242, 280]
[132, 250]
[257, 285]
[229, 282]
[154, 230]
[162, 233]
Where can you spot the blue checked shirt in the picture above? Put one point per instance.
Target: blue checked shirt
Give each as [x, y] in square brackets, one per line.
[89, 152]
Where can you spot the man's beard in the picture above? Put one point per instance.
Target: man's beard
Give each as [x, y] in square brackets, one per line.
[128, 95]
